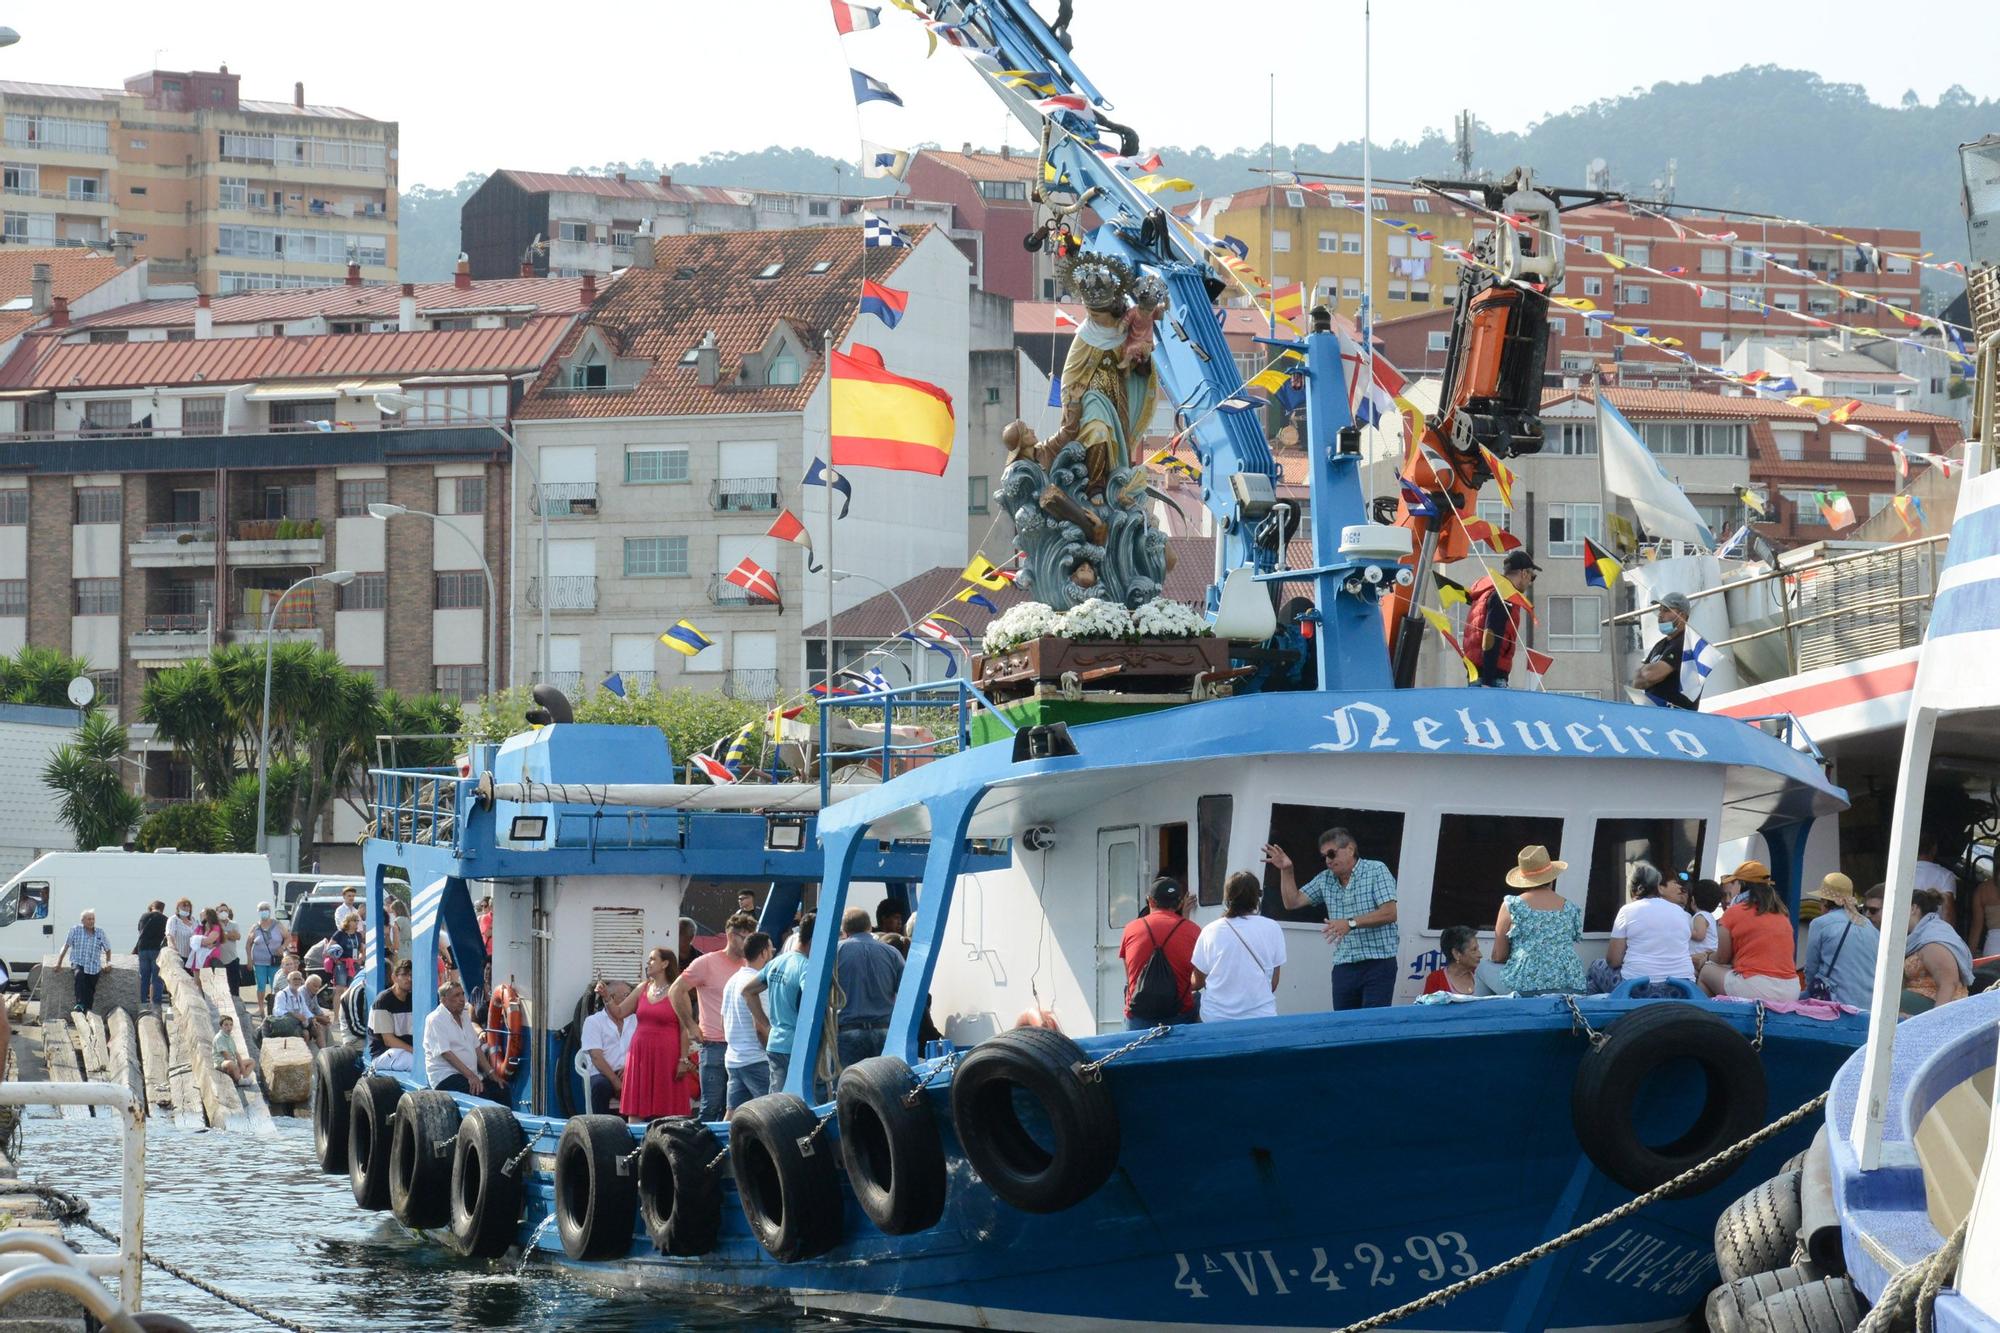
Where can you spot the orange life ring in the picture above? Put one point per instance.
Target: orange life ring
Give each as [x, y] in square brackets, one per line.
[506, 1033]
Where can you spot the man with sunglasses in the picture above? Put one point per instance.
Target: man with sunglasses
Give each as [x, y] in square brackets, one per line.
[1359, 897]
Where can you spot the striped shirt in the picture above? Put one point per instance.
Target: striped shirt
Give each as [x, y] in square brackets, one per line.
[87, 947]
[1369, 885]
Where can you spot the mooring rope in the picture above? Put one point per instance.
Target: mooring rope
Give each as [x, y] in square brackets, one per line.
[1618, 1214]
[67, 1207]
[1908, 1300]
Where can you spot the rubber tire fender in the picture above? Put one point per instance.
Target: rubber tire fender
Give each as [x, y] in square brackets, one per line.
[680, 1195]
[370, 1128]
[1729, 1304]
[1610, 1077]
[890, 1143]
[485, 1190]
[1828, 1305]
[420, 1157]
[1760, 1231]
[785, 1177]
[596, 1187]
[1081, 1120]
[334, 1075]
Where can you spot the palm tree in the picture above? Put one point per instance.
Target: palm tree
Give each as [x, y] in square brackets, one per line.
[95, 804]
[39, 675]
[186, 706]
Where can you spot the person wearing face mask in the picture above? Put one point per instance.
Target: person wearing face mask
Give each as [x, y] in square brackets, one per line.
[267, 950]
[1660, 674]
[181, 930]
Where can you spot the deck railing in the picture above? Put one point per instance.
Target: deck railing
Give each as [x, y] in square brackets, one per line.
[420, 806]
[917, 704]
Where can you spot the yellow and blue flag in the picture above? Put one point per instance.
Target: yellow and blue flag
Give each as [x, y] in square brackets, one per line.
[685, 639]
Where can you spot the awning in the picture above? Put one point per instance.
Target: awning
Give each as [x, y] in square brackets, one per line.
[25, 395]
[277, 391]
[420, 381]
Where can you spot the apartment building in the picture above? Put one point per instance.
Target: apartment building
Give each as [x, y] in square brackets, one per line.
[218, 190]
[1848, 365]
[679, 418]
[990, 213]
[572, 224]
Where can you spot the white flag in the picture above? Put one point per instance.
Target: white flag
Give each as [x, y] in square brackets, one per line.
[1955, 667]
[883, 162]
[1698, 658]
[1633, 474]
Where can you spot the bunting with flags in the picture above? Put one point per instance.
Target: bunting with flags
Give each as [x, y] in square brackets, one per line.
[713, 769]
[1834, 508]
[974, 597]
[754, 579]
[985, 573]
[819, 474]
[1415, 501]
[879, 233]
[613, 684]
[884, 302]
[685, 639]
[1450, 591]
[1442, 625]
[1911, 511]
[880, 162]
[1600, 569]
[1503, 476]
[1538, 664]
[950, 658]
[868, 89]
[851, 18]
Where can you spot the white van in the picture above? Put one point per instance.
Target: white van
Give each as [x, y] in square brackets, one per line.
[41, 903]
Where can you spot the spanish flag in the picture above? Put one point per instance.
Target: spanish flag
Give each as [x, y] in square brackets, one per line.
[887, 421]
[1288, 305]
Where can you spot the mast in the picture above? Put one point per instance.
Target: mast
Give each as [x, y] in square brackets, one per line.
[1271, 209]
[1366, 315]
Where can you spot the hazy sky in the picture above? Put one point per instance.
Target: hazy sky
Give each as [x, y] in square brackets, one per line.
[548, 86]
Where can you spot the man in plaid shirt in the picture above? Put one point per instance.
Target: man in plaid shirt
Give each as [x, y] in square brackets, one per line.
[1360, 902]
[88, 948]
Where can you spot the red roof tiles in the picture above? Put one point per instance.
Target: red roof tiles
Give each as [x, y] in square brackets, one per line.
[1720, 407]
[988, 166]
[72, 272]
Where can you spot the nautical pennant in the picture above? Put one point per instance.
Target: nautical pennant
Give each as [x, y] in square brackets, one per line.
[851, 18]
[1600, 569]
[754, 579]
[879, 234]
[985, 573]
[950, 658]
[685, 639]
[974, 597]
[1415, 501]
[1450, 591]
[1503, 476]
[879, 161]
[712, 769]
[1833, 506]
[1699, 657]
[1911, 511]
[868, 90]
[883, 302]
[1538, 664]
[613, 684]
[786, 527]
[818, 475]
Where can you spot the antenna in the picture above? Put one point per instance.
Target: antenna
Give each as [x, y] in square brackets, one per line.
[1597, 176]
[1461, 154]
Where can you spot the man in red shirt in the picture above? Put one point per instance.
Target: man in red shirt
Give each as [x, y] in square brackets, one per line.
[1492, 624]
[1165, 931]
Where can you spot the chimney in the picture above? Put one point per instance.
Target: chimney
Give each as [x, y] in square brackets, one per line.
[1006, 151]
[299, 96]
[204, 318]
[406, 309]
[353, 274]
[642, 250]
[707, 359]
[59, 313]
[42, 284]
[461, 277]
[122, 249]
[665, 180]
[589, 292]
[621, 178]
[527, 268]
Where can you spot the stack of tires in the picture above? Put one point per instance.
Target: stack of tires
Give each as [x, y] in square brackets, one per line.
[1778, 1253]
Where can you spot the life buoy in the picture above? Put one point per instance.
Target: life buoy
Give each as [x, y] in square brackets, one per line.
[596, 1187]
[1079, 1120]
[785, 1177]
[420, 1155]
[370, 1120]
[486, 1182]
[1604, 1100]
[506, 1031]
[680, 1192]
[335, 1073]
[889, 1140]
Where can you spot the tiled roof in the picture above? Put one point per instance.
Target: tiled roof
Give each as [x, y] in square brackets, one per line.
[548, 296]
[72, 272]
[656, 315]
[44, 363]
[611, 187]
[1040, 316]
[1400, 203]
[987, 166]
[318, 110]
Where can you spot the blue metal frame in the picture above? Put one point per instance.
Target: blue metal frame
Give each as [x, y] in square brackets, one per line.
[958, 695]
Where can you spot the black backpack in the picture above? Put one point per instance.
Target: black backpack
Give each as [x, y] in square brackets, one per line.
[1157, 997]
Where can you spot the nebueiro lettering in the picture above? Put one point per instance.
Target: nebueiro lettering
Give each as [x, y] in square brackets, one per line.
[1366, 726]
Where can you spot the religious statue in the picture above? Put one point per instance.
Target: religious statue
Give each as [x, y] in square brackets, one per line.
[1078, 498]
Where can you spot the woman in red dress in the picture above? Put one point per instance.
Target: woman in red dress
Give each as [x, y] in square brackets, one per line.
[660, 1080]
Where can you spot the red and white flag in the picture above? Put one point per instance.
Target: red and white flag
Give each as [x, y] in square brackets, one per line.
[713, 769]
[849, 18]
[1538, 665]
[1064, 320]
[787, 528]
[754, 579]
[930, 629]
[1075, 103]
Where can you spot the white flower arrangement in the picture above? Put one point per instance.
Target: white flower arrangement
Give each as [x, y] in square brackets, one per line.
[1021, 623]
[1163, 619]
[1096, 619]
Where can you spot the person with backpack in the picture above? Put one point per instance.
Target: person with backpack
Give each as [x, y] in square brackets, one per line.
[1158, 949]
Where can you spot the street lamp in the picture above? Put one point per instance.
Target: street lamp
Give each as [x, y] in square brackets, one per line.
[385, 512]
[909, 621]
[339, 578]
[395, 403]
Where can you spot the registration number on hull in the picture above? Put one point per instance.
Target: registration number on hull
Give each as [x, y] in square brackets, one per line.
[1281, 1271]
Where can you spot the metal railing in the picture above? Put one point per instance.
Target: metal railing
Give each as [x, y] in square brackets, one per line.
[758, 685]
[139, 432]
[174, 622]
[567, 592]
[124, 1265]
[267, 530]
[564, 499]
[300, 611]
[203, 531]
[420, 806]
[749, 495]
[723, 593]
[569, 682]
[890, 756]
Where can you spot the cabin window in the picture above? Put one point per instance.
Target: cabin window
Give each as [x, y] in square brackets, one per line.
[1212, 818]
[1673, 846]
[1378, 836]
[1474, 854]
[1170, 852]
[1118, 870]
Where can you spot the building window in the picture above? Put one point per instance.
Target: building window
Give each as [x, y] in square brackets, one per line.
[462, 495]
[83, 136]
[578, 232]
[1495, 512]
[1350, 243]
[1399, 291]
[977, 499]
[1281, 241]
[354, 497]
[13, 597]
[1636, 295]
[1805, 509]
[1571, 439]
[656, 557]
[1698, 439]
[1749, 296]
[460, 590]
[1713, 298]
[1744, 261]
[1569, 524]
[233, 192]
[463, 683]
[96, 597]
[1437, 340]
[656, 465]
[783, 370]
[107, 414]
[100, 504]
[110, 688]
[1594, 244]
[1329, 242]
[1791, 444]
[1574, 623]
[13, 507]
[1349, 288]
[1559, 326]
[1712, 340]
[1637, 254]
[368, 592]
[1015, 190]
[1850, 445]
[1593, 286]
[201, 416]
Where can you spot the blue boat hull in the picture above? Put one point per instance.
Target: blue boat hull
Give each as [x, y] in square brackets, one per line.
[1305, 1171]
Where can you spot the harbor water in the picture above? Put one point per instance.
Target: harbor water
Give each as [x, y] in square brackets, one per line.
[257, 1218]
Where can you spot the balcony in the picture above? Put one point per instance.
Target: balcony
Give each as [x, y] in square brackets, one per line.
[174, 546]
[564, 499]
[567, 592]
[170, 636]
[730, 597]
[639, 682]
[277, 541]
[744, 495]
[755, 685]
[569, 682]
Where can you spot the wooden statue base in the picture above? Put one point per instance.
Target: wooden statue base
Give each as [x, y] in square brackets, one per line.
[1146, 666]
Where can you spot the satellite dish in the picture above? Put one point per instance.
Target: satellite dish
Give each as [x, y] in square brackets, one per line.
[82, 691]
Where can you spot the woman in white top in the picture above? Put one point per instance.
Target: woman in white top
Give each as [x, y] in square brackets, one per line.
[1237, 958]
[1649, 937]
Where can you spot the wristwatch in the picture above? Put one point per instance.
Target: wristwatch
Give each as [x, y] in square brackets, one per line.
[1350, 923]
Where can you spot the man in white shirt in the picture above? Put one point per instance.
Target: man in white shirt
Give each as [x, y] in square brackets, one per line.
[1931, 875]
[745, 1030]
[604, 1044]
[297, 1004]
[453, 1059]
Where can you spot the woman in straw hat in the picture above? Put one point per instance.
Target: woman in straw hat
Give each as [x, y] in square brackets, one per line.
[1753, 956]
[1839, 955]
[1534, 940]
